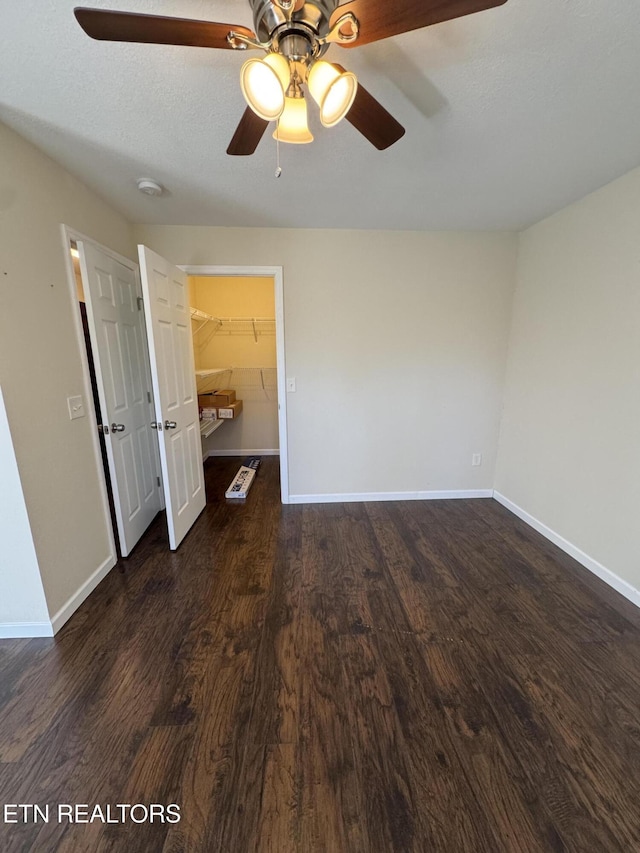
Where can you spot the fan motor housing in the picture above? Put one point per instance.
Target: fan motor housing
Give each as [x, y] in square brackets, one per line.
[269, 16]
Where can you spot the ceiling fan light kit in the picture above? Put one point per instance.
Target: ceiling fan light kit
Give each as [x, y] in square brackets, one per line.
[332, 90]
[294, 35]
[292, 125]
[273, 90]
[264, 83]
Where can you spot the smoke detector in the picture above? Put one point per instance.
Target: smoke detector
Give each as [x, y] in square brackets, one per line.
[149, 187]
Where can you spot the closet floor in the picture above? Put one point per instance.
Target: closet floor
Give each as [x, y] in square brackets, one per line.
[418, 676]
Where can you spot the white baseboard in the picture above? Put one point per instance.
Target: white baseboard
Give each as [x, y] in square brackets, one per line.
[25, 630]
[391, 496]
[609, 577]
[268, 452]
[67, 610]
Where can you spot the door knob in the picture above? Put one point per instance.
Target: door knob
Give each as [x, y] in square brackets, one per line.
[170, 424]
[156, 425]
[117, 427]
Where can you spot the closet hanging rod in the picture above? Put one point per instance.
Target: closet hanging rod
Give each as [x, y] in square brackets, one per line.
[242, 377]
[212, 371]
[257, 325]
[197, 314]
[204, 318]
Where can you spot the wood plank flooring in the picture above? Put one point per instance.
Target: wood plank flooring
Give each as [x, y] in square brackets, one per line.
[345, 678]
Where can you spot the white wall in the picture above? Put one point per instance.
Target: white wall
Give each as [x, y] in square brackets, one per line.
[397, 341]
[40, 362]
[570, 439]
[23, 609]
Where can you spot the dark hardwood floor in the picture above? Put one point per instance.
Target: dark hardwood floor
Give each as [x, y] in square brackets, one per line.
[419, 676]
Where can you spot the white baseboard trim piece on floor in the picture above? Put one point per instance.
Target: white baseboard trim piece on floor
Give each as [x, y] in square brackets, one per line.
[263, 452]
[67, 610]
[367, 497]
[25, 630]
[609, 577]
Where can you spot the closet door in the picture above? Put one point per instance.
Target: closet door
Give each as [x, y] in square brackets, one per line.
[166, 298]
[119, 346]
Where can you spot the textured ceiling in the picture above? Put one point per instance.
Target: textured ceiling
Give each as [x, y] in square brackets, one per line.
[510, 115]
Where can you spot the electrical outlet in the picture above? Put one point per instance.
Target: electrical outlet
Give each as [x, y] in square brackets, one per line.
[76, 407]
[291, 384]
[476, 459]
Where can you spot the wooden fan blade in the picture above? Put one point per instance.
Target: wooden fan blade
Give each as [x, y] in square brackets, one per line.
[248, 134]
[151, 29]
[379, 19]
[372, 120]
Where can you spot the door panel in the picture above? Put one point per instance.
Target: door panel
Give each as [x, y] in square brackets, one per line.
[114, 364]
[116, 329]
[195, 443]
[132, 482]
[144, 449]
[177, 456]
[173, 375]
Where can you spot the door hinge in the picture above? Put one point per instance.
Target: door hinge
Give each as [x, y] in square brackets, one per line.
[148, 396]
[140, 303]
[158, 481]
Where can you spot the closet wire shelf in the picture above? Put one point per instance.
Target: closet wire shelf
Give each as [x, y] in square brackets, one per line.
[235, 377]
[208, 427]
[233, 325]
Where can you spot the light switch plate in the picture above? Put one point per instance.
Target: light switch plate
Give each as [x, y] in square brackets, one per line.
[291, 384]
[76, 407]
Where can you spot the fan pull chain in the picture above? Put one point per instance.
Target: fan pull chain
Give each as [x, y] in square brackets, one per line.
[278, 167]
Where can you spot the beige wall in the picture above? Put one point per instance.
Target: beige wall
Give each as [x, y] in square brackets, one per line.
[40, 362]
[570, 440]
[397, 341]
[239, 296]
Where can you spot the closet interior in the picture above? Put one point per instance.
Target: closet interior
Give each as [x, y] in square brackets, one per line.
[234, 341]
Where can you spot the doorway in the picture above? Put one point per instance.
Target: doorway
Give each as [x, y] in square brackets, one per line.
[246, 334]
[152, 279]
[106, 289]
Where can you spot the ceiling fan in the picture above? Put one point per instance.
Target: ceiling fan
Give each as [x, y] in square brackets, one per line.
[294, 35]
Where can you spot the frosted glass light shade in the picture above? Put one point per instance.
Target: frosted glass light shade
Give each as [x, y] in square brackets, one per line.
[293, 126]
[264, 82]
[332, 90]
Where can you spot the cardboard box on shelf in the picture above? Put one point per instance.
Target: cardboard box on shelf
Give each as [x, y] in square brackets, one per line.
[209, 414]
[216, 398]
[230, 412]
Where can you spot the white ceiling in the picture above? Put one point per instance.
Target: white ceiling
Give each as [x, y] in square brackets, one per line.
[510, 114]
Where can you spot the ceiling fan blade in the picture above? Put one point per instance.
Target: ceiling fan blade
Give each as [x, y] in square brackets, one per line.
[379, 19]
[372, 120]
[152, 29]
[248, 134]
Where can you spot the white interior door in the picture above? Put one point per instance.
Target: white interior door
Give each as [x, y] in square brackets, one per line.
[118, 341]
[166, 296]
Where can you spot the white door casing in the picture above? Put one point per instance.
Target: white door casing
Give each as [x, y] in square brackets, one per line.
[278, 280]
[166, 297]
[118, 341]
